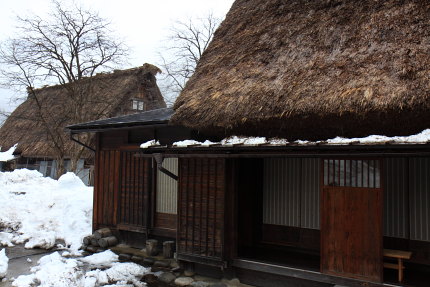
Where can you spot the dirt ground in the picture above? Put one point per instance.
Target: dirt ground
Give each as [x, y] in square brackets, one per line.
[21, 260]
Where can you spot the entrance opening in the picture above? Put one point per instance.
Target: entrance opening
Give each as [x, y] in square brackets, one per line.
[278, 211]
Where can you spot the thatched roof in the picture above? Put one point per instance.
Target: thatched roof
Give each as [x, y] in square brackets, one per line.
[106, 95]
[313, 70]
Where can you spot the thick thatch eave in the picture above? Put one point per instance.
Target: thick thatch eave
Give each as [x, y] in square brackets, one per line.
[106, 95]
[313, 69]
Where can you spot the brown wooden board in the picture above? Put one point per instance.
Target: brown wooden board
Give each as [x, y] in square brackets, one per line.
[106, 188]
[201, 207]
[165, 221]
[351, 232]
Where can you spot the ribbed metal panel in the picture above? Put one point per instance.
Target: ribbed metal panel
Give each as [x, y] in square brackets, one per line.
[396, 216]
[310, 200]
[291, 192]
[167, 188]
[419, 198]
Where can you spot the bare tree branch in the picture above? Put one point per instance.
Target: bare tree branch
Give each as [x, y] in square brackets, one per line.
[187, 42]
[62, 49]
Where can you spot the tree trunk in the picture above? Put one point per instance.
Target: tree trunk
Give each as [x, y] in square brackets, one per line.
[74, 165]
[60, 167]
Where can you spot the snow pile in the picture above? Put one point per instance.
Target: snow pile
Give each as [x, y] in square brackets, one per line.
[149, 144]
[55, 270]
[8, 155]
[39, 210]
[3, 263]
[101, 258]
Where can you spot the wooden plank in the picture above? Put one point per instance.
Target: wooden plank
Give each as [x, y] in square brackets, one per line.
[397, 254]
[352, 232]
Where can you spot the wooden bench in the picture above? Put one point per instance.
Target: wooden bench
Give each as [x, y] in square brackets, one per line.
[400, 256]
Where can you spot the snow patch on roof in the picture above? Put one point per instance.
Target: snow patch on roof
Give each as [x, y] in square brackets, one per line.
[8, 155]
[149, 144]
[420, 138]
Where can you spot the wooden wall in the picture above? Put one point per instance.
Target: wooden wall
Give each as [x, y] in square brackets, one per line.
[201, 207]
[106, 188]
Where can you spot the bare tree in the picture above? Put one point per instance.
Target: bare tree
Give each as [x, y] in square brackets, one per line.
[71, 44]
[187, 42]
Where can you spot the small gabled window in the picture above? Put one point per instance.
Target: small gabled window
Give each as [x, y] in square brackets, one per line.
[137, 105]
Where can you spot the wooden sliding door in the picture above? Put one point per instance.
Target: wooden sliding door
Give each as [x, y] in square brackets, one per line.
[351, 218]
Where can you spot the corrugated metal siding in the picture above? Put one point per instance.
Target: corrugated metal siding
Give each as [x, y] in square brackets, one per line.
[291, 192]
[396, 217]
[310, 194]
[419, 199]
[167, 188]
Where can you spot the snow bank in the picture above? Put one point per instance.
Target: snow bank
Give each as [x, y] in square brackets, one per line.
[8, 155]
[3, 263]
[39, 210]
[55, 270]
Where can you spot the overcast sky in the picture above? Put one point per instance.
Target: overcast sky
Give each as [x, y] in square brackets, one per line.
[144, 24]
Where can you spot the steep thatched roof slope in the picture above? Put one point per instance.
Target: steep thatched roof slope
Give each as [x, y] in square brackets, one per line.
[104, 96]
[314, 69]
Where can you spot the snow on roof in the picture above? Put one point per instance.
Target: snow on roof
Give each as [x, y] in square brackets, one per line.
[420, 138]
[8, 155]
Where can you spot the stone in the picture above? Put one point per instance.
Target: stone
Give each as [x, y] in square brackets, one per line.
[124, 257]
[233, 282]
[174, 264]
[183, 281]
[199, 284]
[162, 263]
[136, 259]
[150, 279]
[166, 277]
[148, 261]
[151, 247]
[177, 269]
[189, 273]
[218, 284]
[168, 249]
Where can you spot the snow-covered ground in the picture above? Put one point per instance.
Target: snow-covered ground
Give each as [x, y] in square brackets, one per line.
[101, 269]
[39, 211]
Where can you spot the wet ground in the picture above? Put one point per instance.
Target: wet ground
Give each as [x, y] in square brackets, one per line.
[21, 260]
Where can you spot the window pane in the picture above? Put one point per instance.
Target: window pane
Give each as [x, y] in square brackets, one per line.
[342, 173]
[365, 173]
[377, 175]
[348, 172]
[354, 173]
[326, 172]
[134, 105]
[359, 173]
[140, 106]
